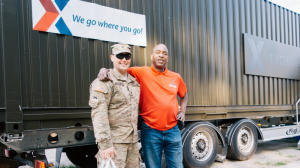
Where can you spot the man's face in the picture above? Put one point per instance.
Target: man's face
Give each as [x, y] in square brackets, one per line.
[160, 56]
[120, 64]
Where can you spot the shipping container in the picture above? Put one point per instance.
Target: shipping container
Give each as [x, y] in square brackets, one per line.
[46, 77]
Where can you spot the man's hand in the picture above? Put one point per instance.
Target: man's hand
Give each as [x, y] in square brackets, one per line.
[103, 75]
[108, 153]
[181, 116]
[181, 109]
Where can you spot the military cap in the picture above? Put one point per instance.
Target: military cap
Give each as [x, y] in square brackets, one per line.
[120, 48]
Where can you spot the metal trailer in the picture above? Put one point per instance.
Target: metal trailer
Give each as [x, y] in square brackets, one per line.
[45, 78]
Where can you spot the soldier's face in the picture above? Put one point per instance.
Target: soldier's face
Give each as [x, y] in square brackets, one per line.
[120, 64]
[160, 56]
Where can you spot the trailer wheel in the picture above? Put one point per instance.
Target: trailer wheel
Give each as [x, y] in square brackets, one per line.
[244, 142]
[200, 147]
[83, 156]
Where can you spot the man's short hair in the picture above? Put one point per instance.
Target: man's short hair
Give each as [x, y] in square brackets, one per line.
[158, 45]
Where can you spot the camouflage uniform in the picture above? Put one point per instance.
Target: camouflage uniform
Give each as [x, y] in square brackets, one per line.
[114, 116]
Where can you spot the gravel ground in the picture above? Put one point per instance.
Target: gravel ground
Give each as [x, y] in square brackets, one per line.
[280, 153]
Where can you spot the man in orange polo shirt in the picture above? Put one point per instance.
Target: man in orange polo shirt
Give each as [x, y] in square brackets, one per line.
[159, 109]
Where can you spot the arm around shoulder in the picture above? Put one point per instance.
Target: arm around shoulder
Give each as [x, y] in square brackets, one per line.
[104, 75]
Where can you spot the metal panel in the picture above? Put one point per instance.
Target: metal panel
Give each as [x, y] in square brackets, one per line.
[280, 132]
[273, 58]
[2, 65]
[11, 66]
[2, 118]
[232, 70]
[205, 43]
[269, 35]
[203, 54]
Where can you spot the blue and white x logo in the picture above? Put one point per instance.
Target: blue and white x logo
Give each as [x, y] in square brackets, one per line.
[255, 58]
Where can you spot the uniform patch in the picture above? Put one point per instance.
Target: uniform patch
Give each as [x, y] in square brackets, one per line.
[100, 89]
[119, 83]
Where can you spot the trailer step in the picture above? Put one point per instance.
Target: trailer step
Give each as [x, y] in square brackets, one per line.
[279, 132]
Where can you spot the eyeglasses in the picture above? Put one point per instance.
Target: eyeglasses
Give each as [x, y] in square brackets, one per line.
[121, 56]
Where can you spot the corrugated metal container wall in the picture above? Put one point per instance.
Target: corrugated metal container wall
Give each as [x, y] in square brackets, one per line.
[205, 43]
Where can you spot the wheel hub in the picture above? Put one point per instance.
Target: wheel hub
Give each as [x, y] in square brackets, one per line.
[201, 146]
[245, 139]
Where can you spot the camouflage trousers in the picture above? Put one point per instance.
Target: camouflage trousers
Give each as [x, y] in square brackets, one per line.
[128, 155]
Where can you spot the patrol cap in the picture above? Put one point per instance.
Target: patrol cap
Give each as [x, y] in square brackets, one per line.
[119, 48]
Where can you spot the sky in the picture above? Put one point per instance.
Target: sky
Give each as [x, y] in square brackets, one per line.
[293, 5]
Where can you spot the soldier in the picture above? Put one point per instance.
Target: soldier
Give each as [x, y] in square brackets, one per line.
[115, 112]
[158, 107]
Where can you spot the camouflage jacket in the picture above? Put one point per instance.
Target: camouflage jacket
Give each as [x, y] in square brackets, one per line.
[115, 110]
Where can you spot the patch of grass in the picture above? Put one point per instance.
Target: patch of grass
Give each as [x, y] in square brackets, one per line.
[71, 166]
[290, 156]
[268, 163]
[279, 164]
[279, 153]
[259, 163]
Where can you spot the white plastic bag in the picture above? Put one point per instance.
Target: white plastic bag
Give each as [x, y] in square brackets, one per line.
[108, 163]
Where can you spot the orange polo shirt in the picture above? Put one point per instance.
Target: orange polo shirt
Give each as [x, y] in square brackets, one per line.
[158, 103]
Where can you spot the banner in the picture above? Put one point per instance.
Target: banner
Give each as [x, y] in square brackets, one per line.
[270, 58]
[89, 20]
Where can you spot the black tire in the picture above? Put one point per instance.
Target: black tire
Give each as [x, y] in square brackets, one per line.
[83, 156]
[244, 142]
[200, 147]
[186, 129]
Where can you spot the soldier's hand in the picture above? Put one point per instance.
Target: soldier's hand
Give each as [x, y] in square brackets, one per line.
[103, 75]
[108, 153]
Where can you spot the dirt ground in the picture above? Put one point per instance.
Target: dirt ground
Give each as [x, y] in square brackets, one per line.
[280, 153]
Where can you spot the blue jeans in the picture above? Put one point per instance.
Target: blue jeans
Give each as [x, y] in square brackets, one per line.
[154, 141]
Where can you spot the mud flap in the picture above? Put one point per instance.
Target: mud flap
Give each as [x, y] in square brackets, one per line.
[222, 152]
